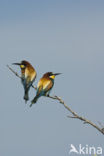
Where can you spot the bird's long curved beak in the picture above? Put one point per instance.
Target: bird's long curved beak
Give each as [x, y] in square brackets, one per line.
[57, 74]
[16, 64]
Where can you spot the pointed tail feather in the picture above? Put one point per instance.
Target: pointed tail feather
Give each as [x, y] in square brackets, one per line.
[34, 100]
[26, 97]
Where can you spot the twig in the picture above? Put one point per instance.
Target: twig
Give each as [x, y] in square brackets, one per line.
[14, 72]
[75, 115]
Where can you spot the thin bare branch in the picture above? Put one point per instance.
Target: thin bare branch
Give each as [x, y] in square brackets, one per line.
[72, 117]
[75, 115]
[14, 72]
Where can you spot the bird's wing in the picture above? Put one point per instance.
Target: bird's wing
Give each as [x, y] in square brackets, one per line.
[39, 87]
[39, 90]
[43, 86]
[30, 75]
[33, 76]
[47, 85]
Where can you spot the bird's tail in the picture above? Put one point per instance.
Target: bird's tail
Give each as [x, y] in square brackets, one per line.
[26, 96]
[34, 100]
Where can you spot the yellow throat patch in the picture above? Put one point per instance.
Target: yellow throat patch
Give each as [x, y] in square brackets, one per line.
[52, 76]
[22, 66]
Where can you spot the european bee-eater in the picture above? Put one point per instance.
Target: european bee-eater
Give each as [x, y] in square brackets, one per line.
[28, 75]
[44, 86]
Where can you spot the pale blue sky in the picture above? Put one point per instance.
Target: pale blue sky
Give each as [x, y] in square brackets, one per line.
[60, 36]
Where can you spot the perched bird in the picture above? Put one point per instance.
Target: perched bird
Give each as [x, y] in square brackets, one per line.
[44, 86]
[28, 75]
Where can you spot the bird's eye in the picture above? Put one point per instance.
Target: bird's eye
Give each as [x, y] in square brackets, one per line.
[22, 66]
[52, 76]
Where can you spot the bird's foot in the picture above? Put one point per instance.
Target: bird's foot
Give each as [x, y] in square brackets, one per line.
[47, 94]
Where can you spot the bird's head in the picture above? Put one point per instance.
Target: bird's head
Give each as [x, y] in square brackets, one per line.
[51, 75]
[22, 65]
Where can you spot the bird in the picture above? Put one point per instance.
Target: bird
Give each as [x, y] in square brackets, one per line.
[44, 86]
[28, 76]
